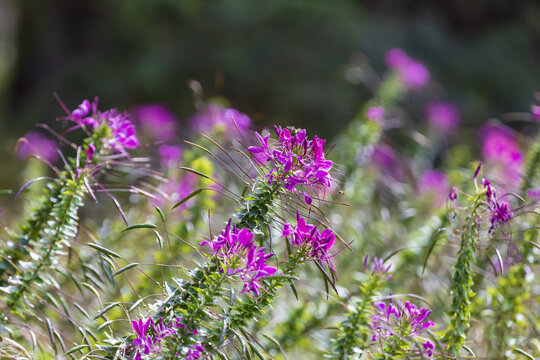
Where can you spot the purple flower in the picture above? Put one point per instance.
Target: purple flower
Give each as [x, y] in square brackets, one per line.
[385, 159]
[501, 151]
[534, 193]
[453, 194]
[442, 116]
[375, 113]
[435, 184]
[299, 164]
[413, 73]
[313, 244]
[156, 120]
[241, 256]
[143, 343]
[90, 151]
[195, 352]
[217, 116]
[37, 144]
[535, 109]
[377, 267]
[122, 130]
[170, 155]
[501, 212]
[176, 190]
[405, 321]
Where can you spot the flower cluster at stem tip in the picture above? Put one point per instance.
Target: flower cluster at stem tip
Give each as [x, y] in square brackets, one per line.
[298, 163]
[501, 212]
[241, 256]
[146, 344]
[404, 320]
[307, 238]
[123, 134]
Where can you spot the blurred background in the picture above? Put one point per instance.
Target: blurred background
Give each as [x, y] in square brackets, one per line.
[280, 61]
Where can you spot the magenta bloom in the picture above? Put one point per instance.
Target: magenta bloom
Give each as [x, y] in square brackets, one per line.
[217, 116]
[377, 267]
[413, 73]
[535, 109]
[405, 321]
[298, 163]
[176, 190]
[435, 184]
[122, 130]
[170, 155]
[442, 116]
[156, 120]
[307, 238]
[501, 212]
[500, 149]
[38, 145]
[375, 113]
[241, 256]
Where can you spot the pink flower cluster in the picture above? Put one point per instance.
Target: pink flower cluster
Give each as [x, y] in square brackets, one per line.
[405, 320]
[413, 73]
[146, 344]
[298, 163]
[241, 256]
[308, 239]
[156, 120]
[122, 130]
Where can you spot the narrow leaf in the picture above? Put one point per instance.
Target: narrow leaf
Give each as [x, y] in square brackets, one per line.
[192, 194]
[125, 268]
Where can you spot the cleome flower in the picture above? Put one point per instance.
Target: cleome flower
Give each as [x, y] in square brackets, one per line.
[405, 321]
[501, 212]
[150, 336]
[378, 267]
[307, 238]
[299, 164]
[122, 132]
[241, 256]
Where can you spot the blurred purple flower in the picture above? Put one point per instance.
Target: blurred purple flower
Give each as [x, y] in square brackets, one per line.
[170, 155]
[534, 193]
[500, 149]
[196, 352]
[435, 184]
[156, 120]
[413, 73]
[217, 116]
[176, 190]
[241, 256]
[375, 113]
[442, 116]
[39, 145]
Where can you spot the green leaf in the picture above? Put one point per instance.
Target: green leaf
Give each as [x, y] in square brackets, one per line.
[524, 353]
[104, 250]
[125, 268]
[192, 194]
[140, 226]
[76, 348]
[107, 308]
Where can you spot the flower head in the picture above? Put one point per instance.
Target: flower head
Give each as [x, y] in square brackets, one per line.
[442, 116]
[501, 212]
[299, 163]
[38, 145]
[413, 73]
[307, 239]
[170, 155]
[377, 267]
[404, 321]
[241, 256]
[122, 132]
